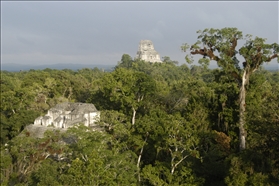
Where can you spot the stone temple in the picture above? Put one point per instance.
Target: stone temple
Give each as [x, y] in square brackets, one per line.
[147, 52]
[65, 115]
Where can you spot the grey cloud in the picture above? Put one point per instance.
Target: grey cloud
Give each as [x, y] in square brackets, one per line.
[100, 32]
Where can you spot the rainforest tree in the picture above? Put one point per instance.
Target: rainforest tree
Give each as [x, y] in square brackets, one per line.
[221, 46]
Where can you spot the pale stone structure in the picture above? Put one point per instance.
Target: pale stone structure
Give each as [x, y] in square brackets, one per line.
[147, 52]
[65, 115]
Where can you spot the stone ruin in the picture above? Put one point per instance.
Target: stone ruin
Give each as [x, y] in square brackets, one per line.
[66, 115]
[147, 52]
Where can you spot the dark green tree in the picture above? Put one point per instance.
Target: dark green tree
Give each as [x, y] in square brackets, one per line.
[126, 61]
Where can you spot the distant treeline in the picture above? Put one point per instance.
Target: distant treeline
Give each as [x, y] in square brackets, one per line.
[165, 124]
[20, 67]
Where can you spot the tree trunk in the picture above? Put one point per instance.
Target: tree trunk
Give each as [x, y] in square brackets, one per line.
[173, 156]
[242, 96]
[134, 116]
[139, 158]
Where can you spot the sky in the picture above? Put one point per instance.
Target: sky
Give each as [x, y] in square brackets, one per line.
[93, 32]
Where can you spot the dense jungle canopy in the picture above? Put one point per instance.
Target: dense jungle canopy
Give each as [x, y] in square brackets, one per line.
[164, 123]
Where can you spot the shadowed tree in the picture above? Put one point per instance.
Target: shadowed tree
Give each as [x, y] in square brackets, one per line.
[220, 45]
[126, 61]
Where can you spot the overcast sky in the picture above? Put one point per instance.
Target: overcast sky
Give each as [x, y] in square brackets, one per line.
[101, 32]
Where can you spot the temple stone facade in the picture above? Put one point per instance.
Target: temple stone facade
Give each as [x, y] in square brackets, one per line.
[147, 52]
[65, 115]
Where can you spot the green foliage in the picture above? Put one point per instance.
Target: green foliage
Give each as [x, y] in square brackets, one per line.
[220, 45]
[98, 159]
[161, 123]
[125, 90]
[48, 173]
[244, 171]
[12, 126]
[215, 147]
[126, 61]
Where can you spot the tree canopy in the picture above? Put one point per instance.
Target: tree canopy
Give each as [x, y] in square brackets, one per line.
[162, 123]
[220, 45]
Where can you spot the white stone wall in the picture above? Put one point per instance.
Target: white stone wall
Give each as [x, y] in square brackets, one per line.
[38, 121]
[47, 121]
[91, 118]
[60, 121]
[60, 118]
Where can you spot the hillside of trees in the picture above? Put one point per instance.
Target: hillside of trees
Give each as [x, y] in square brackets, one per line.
[165, 124]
